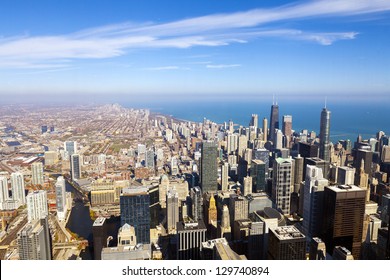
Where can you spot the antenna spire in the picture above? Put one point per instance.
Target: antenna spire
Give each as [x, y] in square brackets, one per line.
[326, 99]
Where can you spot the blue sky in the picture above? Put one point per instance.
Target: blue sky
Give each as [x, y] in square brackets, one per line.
[254, 48]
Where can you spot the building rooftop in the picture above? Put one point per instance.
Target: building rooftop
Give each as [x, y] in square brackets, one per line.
[287, 233]
[211, 243]
[99, 221]
[345, 188]
[199, 225]
[134, 190]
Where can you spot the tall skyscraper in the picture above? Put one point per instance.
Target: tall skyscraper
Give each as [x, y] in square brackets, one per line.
[254, 121]
[265, 129]
[62, 208]
[247, 185]
[209, 167]
[34, 241]
[70, 148]
[345, 175]
[149, 158]
[225, 176]
[313, 201]
[287, 128]
[4, 194]
[37, 173]
[37, 205]
[134, 207]
[282, 183]
[17, 187]
[325, 135]
[172, 210]
[258, 175]
[75, 166]
[196, 203]
[344, 208]
[274, 121]
[263, 155]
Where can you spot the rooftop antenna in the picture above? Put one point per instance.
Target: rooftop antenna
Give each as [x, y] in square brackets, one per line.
[326, 101]
[273, 99]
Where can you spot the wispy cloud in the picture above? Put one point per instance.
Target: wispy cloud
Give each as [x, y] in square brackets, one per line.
[220, 66]
[163, 68]
[210, 30]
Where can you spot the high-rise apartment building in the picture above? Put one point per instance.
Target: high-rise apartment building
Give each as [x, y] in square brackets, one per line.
[34, 241]
[258, 175]
[70, 148]
[17, 187]
[37, 173]
[37, 205]
[4, 193]
[287, 128]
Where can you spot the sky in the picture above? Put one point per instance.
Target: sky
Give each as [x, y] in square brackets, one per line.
[205, 48]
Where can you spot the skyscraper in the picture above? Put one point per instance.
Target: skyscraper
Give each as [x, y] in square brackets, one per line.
[172, 210]
[265, 129]
[134, 207]
[225, 176]
[4, 194]
[258, 175]
[70, 148]
[17, 187]
[287, 128]
[190, 236]
[37, 205]
[196, 203]
[99, 232]
[286, 243]
[254, 121]
[344, 208]
[313, 201]
[274, 121]
[282, 184]
[209, 167]
[75, 166]
[325, 135]
[34, 241]
[61, 198]
[37, 173]
[149, 158]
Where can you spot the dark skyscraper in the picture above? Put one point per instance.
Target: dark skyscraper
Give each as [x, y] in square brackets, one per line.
[344, 208]
[274, 121]
[324, 135]
[209, 167]
[134, 205]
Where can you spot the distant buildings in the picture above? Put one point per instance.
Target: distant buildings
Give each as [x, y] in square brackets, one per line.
[75, 167]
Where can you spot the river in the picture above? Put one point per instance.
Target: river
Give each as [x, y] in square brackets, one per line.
[80, 222]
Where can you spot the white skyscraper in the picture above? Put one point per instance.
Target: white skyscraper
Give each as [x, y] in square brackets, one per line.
[36, 205]
[17, 187]
[37, 173]
[4, 195]
[61, 198]
[313, 201]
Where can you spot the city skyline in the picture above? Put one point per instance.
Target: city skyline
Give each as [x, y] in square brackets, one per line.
[177, 50]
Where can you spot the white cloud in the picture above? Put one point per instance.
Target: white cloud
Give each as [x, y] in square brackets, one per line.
[163, 68]
[220, 66]
[210, 30]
